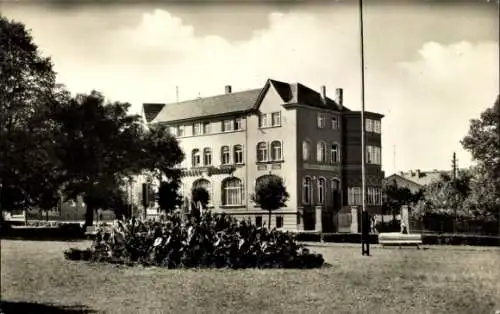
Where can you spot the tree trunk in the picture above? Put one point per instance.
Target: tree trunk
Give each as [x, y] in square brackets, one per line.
[89, 216]
[269, 220]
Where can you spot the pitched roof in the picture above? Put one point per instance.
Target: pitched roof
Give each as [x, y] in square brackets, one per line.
[151, 111]
[235, 102]
[423, 177]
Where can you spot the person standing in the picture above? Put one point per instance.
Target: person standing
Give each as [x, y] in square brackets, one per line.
[365, 232]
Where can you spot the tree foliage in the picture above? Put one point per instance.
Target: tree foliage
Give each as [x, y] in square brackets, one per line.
[53, 144]
[169, 197]
[446, 196]
[396, 196]
[270, 194]
[483, 142]
[28, 175]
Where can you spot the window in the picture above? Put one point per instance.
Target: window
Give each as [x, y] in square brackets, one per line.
[321, 190]
[207, 128]
[276, 118]
[227, 125]
[180, 130]
[232, 192]
[263, 120]
[238, 124]
[270, 119]
[306, 190]
[172, 130]
[225, 155]
[334, 151]
[306, 150]
[321, 121]
[373, 155]
[279, 222]
[258, 221]
[374, 196]
[262, 151]
[276, 150]
[377, 126]
[204, 183]
[321, 152]
[238, 154]
[335, 185]
[354, 196]
[197, 129]
[369, 125]
[207, 156]
[335, 123]
[196, 158]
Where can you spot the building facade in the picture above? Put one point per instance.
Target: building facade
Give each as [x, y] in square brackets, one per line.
[311, 141]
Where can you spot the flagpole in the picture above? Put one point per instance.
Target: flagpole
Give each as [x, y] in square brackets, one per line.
[363, 149]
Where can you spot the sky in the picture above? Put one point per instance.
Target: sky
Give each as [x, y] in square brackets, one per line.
[431, 66]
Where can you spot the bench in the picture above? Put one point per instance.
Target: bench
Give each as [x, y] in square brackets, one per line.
[91, 231]
[399, 239]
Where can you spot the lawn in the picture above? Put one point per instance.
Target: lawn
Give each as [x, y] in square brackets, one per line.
[437, 280]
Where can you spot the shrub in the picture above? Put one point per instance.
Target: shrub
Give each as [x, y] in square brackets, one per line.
[213, 241]
[460, 239]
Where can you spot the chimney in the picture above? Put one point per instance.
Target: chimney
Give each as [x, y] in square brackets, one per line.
[323, 93]
[339, 97]
[228, 89]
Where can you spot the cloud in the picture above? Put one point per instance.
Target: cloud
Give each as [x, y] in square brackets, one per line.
[434, 98]
[427, 100]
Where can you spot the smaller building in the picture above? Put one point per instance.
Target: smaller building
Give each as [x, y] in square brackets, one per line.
[415, 180]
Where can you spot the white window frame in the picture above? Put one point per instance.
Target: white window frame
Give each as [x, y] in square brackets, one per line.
[275, 149]
[355, 197]
[321, 190]
[207, 156]
[377, 126]
[321, 151]
[228, 198]
[224, 152]
[197, 129]
[335, 123]
[306, 150]
[263, 120]
[307, 190]
[369, 125]
[206, 127]
[196, 157]
[262, 148]
[320, 121]
[277, 121]
[238, 154]
[238, 124]
[227, 125]
[180, 130]
[334, 152]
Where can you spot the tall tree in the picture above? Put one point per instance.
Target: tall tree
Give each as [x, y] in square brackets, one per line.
[101, 146]
[28, 169]
[396, 196]
[483, 142]
[270, 194]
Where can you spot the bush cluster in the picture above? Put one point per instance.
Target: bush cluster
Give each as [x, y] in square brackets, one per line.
[211, 241]
[460, 239]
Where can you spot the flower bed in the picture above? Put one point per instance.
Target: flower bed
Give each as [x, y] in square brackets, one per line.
[213, 241]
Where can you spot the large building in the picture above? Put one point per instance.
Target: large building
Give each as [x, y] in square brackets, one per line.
[313, 142]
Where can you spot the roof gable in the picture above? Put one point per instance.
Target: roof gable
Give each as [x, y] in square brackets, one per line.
[151, 111]
[237, 102]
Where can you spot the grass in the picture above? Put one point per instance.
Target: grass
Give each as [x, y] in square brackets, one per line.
[438, 280]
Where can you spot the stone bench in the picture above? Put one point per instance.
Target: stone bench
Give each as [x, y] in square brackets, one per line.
[399, 239]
